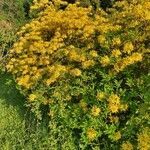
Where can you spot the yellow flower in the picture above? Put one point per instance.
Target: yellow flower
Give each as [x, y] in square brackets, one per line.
[24, 81]
[114, 108]
[127, 146]
[9, 67]
[128, 47]
[93, 53]
[117, 136]
[136, 57]
[73, 55]
[91, 134]
[122, 64]
[116, 53]
[95, 111]
[101, 39]
[48, 82]
[144, 139]
[32, 97]
[75, 72]
[114, 103]
[100, 96]
[116, 41]
[114, 98]
[105, 61]
[88, 64]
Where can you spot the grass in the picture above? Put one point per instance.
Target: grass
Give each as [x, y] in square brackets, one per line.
[11, 112]
[13, 120]
[18, 127]
[12, 11]
[11, 17]
[9, 94]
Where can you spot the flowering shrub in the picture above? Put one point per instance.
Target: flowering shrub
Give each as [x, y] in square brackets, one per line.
[85, 66]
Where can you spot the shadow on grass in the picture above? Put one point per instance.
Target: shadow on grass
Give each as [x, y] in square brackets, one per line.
[9, 93]
[11, 96]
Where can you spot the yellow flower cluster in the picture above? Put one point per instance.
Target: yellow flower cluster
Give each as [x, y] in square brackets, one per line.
[95, 111]
[128, 48]
[105, 61]
[32, 97]
[43, 45]
[127, 146]
[116, 41]
[114, 104]
[54, 43]
[67, 43]
[42, 4]
[144, 139]
[55, 72]
[91, 134]
[93, 53]
[142, 11]
[129, 60]
[139, 10]
[100, 96]
[75, 72]
[101, 39]
[116, 53]
[39, 4]
[87, 64]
